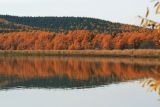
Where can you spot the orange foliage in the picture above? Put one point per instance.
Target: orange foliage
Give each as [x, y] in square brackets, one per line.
[78, 40]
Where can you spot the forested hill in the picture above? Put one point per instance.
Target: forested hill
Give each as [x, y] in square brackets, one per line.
[60, 24]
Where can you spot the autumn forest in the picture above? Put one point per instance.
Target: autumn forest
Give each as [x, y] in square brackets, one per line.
[68, 33]
[78, 40]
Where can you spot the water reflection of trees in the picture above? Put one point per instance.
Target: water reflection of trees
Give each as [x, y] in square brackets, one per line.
[53, 72]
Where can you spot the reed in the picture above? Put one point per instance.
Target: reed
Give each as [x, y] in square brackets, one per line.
[144, 53]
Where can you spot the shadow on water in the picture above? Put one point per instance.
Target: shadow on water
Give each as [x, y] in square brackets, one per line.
[69, 72]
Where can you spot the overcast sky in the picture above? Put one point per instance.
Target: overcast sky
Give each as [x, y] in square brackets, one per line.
[124, 11]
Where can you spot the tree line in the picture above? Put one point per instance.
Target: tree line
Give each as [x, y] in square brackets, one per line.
[78, 40]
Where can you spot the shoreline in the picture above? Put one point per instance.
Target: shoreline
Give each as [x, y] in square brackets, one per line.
[135, 53]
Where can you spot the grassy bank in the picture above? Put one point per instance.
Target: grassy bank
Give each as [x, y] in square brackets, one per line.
[142, 53]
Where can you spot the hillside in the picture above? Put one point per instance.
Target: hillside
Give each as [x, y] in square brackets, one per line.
[63, 24]
[8, 26]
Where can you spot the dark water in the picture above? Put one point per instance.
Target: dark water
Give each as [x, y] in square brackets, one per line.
[80, 82]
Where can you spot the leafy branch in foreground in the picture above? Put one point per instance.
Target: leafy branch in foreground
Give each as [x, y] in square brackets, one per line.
[145, 22]
[152, 84]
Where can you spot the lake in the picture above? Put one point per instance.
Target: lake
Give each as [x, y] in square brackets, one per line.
[79, 82]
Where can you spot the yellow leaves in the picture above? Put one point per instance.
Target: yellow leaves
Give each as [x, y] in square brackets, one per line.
[157, 25]
[158, 9]
[145, 22]
[142, 21]
[156, 4]
[152, 84]
[147, 13]
[149, 23]
[159, 91]
[147, 82]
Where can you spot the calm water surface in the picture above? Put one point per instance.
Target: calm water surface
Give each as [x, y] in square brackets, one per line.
[79, 82]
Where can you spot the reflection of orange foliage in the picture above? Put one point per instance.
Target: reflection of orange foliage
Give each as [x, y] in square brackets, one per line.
[77, 40]
[76, 68]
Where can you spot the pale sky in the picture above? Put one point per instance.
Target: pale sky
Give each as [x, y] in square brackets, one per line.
[124, 11]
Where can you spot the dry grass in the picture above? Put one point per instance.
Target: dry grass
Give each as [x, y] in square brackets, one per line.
[100, 53]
